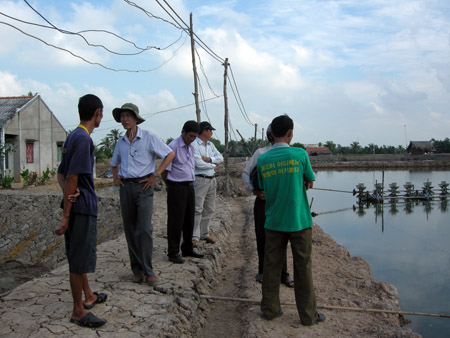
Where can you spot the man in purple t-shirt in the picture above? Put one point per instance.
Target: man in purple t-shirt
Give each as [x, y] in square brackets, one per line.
[179, 178]
[79, 221]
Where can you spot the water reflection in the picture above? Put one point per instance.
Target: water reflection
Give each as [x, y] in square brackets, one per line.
[395, 207]
[406, 242]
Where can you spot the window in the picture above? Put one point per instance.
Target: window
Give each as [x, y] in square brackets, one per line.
[30, 152]
[59, 147]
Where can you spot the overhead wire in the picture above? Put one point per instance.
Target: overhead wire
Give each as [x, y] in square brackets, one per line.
[239, 99]
[200, 41]
[203, 71]
[52, 26]
[149, 14]
[92, 62]
[177, 25]
[149, 114]
[79, 33]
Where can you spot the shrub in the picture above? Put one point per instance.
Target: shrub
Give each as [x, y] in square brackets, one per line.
[7, 180]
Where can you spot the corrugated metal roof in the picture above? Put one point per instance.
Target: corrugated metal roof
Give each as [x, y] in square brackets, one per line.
[9, 106]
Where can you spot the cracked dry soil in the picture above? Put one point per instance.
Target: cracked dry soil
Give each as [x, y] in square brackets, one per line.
[340, 280]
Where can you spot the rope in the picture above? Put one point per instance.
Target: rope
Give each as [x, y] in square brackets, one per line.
[330, 307]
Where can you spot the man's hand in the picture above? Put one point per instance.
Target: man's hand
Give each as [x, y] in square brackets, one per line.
[63, 226]
[260, 194]
[117, 181]
[73, 198]
[309, 185]
[149, 182]
[206, 159]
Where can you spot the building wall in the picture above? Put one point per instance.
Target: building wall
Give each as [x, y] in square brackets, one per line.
[35, 124]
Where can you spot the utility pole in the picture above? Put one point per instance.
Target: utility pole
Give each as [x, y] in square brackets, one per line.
[227, 176]
[254, 141]
[245, 143]
[406, 140]
[197, 106]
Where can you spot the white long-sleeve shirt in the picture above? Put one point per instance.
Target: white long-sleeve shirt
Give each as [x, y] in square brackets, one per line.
[207, 150]
[251, 164]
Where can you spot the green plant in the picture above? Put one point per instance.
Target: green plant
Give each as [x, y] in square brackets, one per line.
[7, 180]
[29, 177]
[45, 176]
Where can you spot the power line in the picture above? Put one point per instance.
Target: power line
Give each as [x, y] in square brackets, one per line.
[131, 3]
[96, 63]
[152, 114]
[200, 41]
[142, 49]
[203, 71]
[239, 101]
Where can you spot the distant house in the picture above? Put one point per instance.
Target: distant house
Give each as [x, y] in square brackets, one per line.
[29, 125]
[420, 147]
[315, 150]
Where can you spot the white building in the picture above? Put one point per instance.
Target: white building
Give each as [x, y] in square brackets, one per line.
[30, 127]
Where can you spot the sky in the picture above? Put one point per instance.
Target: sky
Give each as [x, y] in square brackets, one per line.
[345, 71]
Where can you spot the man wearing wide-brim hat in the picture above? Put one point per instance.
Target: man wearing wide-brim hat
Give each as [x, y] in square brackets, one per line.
[133, 169]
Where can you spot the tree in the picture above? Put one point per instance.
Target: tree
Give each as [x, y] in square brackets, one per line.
[220, 147]
[355, 147]
[370, 149]
[170, 139]
[442, 146]
[298, 145]
[105, 149]
[330, 145]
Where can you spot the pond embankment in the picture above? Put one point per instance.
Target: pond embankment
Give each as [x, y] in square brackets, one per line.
[382, 162]
[41, 307]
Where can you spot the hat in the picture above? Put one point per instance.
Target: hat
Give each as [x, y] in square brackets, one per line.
[127, 107]
[205, 126]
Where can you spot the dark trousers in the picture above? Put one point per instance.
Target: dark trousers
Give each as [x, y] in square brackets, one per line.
[180, 216]
[259, 213]
[305, 298]
[137, 210]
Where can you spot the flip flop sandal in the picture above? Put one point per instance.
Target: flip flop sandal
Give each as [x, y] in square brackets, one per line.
[101, 298]
[90, 320]
[289, 282]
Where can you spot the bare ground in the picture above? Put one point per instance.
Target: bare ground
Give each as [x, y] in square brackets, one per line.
[340, 280]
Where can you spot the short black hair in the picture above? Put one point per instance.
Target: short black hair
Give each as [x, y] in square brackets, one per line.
[191, 126]
[87, 105]
[281, 125]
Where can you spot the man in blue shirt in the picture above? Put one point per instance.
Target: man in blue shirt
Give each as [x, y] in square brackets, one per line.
[179, 178]
[79, 221]
[133, 169]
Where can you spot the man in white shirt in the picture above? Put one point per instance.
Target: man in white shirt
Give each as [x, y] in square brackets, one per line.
[206, 159]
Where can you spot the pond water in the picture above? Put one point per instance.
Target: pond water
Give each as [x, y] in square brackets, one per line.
[407, 244]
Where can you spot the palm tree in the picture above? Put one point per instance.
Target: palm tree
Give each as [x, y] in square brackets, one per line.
[355, 146]
[106, 146]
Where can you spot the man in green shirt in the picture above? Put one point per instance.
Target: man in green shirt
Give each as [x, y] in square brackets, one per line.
[285, 174]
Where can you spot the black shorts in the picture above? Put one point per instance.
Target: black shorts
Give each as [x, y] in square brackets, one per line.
[81, 243]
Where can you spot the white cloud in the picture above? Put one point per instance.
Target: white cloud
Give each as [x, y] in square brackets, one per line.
[344, 71]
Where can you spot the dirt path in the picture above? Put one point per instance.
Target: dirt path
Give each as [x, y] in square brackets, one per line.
[235, 278]
[339, 279]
